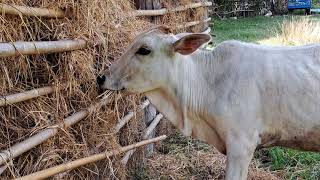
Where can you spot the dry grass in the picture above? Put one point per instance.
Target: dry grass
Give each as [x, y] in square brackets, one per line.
[180, 18]
[296, 31]
[181, 158]
[75, 72]
[299, 31]
[105, 26]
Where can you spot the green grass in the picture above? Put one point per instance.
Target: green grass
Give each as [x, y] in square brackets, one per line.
[315, 4]
[247, 29]
[252, 29]
[295, 164]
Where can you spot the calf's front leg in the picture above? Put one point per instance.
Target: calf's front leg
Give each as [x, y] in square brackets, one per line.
[239, 154]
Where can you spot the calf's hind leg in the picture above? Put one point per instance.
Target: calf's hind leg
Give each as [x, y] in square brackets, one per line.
[239, 154]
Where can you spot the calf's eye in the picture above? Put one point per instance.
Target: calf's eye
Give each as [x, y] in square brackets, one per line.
[143, 51]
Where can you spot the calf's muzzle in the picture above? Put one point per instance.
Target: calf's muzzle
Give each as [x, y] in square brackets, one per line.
[101, 79]
[106, 82]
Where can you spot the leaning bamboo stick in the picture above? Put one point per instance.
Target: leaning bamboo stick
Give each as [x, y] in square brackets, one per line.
[90, 159]
[30, 11]
[123, 121]
[39, 47]
[193, 23]
[207, 31]
[44, 135]
[164, 11]
[3, 168]
[147, 133]
[152, 126]
[23, 96]
[190, 6]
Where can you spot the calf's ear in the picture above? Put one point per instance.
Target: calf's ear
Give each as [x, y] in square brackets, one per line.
[189, 43]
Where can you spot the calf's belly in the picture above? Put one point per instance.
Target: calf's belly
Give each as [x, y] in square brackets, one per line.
[300, 139]
[308, 140]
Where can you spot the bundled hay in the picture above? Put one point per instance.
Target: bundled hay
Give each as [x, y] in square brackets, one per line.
[107, 29]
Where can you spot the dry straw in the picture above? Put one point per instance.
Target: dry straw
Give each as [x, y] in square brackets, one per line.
[107, 31]
[299, 31]
[44, 135]
[295, 31]
[103, 26]
[169, 10]
[93, 158]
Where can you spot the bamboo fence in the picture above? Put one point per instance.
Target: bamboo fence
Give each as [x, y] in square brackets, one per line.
[90, 159]
[43, 47]
[23, 96]
[123, 121]
[39, 47]
[193, 23]
[57, 13]
[30, 11]
[44, 135]
[146, 135]
[164, 11]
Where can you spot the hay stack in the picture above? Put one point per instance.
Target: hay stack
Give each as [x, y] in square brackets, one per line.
[180, 18]
[107, 30]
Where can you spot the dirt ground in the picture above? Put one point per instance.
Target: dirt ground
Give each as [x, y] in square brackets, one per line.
[179, 157]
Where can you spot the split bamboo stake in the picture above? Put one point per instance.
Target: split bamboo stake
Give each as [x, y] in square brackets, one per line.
[123, 121]
[23, 96]
[147, 133]
[164, 11]
[193, 23]
[207, 31]
[83, 161]
[3, 168]
[152, 126]
[30, 11]
[39, 47]
[44, 135]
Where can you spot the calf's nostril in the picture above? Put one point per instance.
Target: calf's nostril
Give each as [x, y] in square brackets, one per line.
[101, 79]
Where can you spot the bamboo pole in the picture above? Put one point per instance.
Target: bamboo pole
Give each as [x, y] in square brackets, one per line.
[193, 23]
[207, 31]
[83, 161]
[44, 135]
[3, 168]
[164, 11]
[39, 47]
[123, 121]
[191, 6]
[152, 126]
[23, 96]
[30, 11]
[147, 133]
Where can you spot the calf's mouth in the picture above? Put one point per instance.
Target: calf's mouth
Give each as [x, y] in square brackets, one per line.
[108, 83]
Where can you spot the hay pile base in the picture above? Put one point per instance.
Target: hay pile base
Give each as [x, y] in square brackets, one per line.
[179, 157]
[106, 27]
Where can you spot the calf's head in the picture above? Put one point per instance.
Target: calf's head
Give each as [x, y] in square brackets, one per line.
[148, 62]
